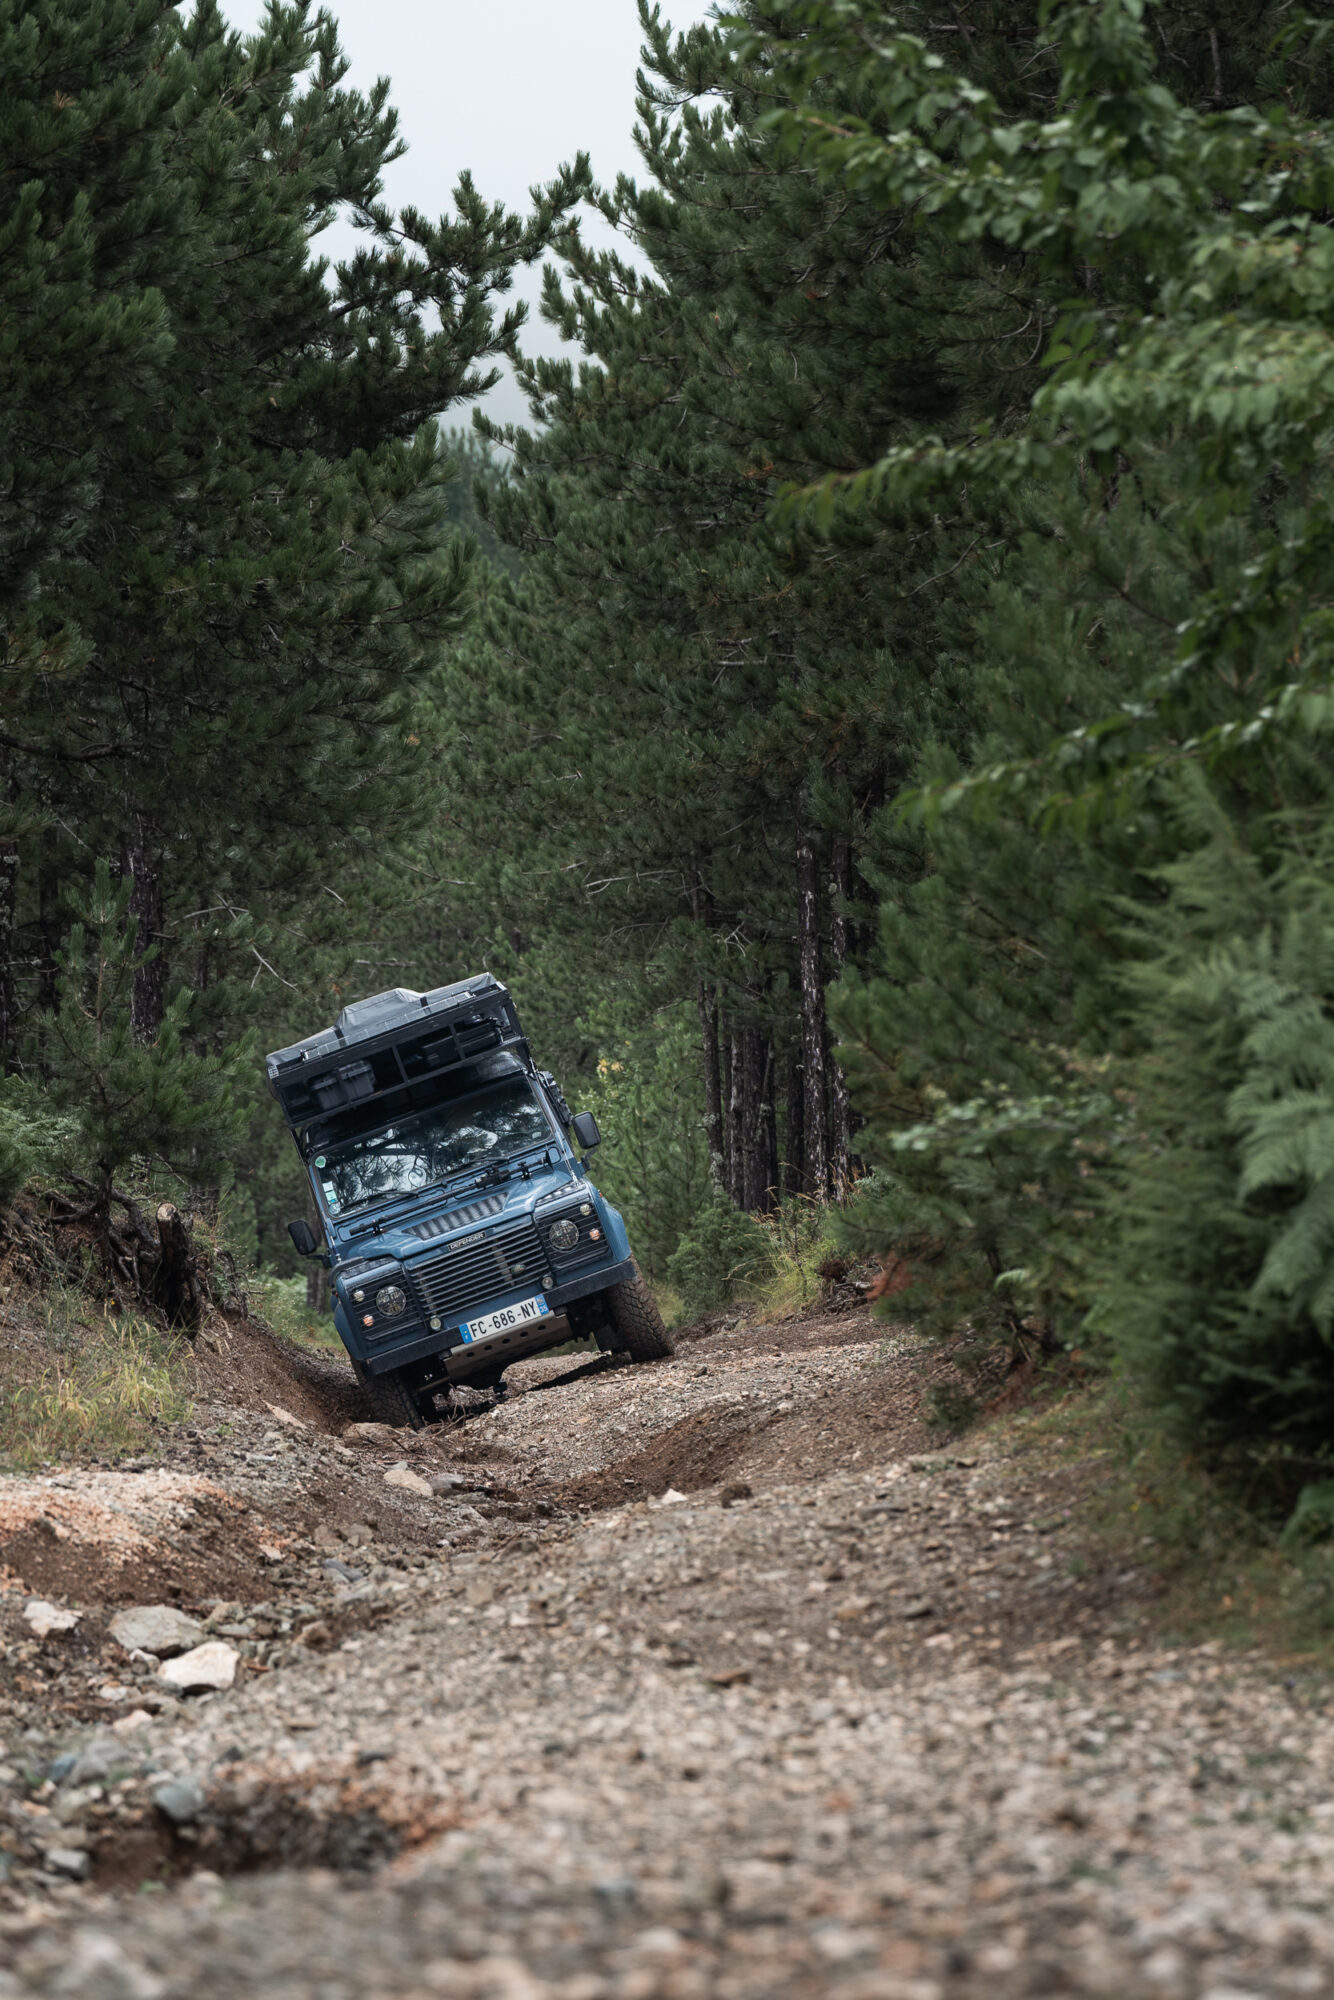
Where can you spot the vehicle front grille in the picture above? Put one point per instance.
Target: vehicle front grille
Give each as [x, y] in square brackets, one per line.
[449, 1284]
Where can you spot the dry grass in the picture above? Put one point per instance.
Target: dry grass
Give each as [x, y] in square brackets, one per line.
[94, 1388]
[1220, 1569]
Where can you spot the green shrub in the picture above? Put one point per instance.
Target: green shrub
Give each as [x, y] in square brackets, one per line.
[34, 1139]
[1216, 1293]
[723, 1251]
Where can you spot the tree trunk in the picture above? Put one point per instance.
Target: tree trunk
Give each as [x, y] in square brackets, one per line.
[735, 1123]
[148, 994]
[177, 1283]
[9, 882]
[794, 1166]
[812, 1018]
[752, 1169]
[840, 1104]
[767, 1135]
[48, 926]
[707, 1000]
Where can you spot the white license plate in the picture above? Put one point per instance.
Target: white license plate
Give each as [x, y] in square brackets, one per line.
[507, 1317]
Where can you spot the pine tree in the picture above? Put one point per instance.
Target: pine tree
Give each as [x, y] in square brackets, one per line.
[234, 616]
[129, 1099]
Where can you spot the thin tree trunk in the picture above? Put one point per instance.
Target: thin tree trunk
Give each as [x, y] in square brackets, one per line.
[49, 931]
[736, 1142]
[840, 1104]
[752, 1171]
[148, 993]
[767, 1135]
[707, 1001]
[812, 1017]
[9, 883]
[794, 1166]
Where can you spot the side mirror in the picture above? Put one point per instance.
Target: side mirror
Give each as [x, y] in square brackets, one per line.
[304, 1240]
[585, 1129]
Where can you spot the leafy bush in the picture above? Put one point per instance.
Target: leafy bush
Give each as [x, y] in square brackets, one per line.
[722, 1251]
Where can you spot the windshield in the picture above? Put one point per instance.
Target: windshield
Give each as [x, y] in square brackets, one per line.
[431, 1145]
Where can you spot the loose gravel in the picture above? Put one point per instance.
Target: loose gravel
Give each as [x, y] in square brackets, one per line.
[826, 1712]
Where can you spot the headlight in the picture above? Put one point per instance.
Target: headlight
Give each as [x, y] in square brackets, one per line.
[563, 1235]
[393, 1299]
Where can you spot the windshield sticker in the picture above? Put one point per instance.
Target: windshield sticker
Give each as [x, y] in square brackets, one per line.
[330, 1194]
[320, 1160]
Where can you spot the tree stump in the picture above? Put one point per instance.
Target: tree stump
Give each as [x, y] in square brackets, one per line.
[176, 1285]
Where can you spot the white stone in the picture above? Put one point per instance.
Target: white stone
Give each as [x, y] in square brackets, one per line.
[45, 1618]
[212, 1665]
[286, 1417]
[410, 1481]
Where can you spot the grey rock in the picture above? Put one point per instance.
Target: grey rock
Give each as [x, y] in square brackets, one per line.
[340, 1573]
[448, 1482]
[181, 1799]
[159, 1629]
[71, 1861]
[96, 1761]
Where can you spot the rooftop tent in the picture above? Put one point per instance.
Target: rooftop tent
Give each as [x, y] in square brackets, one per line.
[390, 1042]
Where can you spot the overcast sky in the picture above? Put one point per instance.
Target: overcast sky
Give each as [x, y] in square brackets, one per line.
[507, 88]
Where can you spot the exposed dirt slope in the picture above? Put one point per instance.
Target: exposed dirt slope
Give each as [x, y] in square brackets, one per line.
[704, 1681]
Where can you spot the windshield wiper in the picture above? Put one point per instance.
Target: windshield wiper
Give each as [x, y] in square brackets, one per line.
[491, 1176]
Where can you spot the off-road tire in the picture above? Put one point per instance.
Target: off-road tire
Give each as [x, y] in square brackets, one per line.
[635, 1315]
[393, 1401]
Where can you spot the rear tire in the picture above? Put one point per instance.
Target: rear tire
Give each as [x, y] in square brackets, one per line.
[393, 1401]
[635, 1315]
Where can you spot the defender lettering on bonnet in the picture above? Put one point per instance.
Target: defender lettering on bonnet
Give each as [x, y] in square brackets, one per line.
[406, 1114]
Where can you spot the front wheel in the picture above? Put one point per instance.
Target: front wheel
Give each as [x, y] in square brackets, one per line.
[392, 1400]
[635, 1316]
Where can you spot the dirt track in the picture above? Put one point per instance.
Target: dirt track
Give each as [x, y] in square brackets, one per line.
[845, 1714]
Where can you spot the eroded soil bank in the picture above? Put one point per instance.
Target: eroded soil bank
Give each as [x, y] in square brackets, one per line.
[704, 1681]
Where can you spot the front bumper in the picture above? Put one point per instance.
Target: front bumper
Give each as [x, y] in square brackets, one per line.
[419, 1346]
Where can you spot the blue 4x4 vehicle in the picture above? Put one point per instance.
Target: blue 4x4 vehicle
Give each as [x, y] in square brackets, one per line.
[462, 1231]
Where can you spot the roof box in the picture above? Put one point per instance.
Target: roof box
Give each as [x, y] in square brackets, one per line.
[389, 1042]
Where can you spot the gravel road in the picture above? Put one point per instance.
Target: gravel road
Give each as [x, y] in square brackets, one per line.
[713, 1680]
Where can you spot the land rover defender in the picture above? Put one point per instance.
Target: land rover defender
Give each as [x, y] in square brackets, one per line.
[460, 1228]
